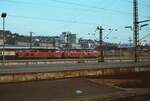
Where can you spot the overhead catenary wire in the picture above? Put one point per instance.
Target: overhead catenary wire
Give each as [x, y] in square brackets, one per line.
[148, 35]
[94, 7]
[140, 2]
[83, 7]
[56, 20]
[65, 2]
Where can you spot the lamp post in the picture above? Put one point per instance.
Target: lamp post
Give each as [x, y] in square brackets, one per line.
[3, 15]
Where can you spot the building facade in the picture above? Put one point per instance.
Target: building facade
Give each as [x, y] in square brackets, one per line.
[68, 37]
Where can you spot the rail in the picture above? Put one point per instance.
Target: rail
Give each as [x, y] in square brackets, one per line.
[81, 60]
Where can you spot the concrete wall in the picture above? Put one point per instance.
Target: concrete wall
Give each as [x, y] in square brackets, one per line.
[62, 74]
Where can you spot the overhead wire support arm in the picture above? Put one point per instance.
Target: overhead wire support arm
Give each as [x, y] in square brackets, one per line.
[143, 21]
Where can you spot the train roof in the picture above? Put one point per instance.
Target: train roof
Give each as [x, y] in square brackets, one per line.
[27, 48]
[77, 49]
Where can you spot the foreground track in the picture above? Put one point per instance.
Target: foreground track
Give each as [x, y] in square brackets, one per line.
[67, 66]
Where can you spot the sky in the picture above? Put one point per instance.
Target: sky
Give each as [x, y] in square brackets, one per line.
[52, 17]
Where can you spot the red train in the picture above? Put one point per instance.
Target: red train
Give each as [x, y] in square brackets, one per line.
[66, 54]
[38, 54]
[44, 53]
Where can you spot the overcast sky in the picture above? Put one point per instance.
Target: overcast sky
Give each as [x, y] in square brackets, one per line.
[51, 17]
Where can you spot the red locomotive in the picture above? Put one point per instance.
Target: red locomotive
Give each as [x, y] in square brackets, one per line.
[44, 53]
[37, 54]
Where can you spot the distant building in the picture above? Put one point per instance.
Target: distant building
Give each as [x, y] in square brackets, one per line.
[55, 41]
[23, 43]
[125, 50]
[124, 46]
[45, 41]
[1, 41]
[87, 43]
[68, 37]
[76, 46]
[45, 44]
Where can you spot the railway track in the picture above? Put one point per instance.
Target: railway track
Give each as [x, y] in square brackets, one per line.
[79, 60]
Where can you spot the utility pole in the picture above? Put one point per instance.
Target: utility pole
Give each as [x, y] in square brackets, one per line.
[135, 29]
[101, 54]
[136, 22]
[31, 40]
